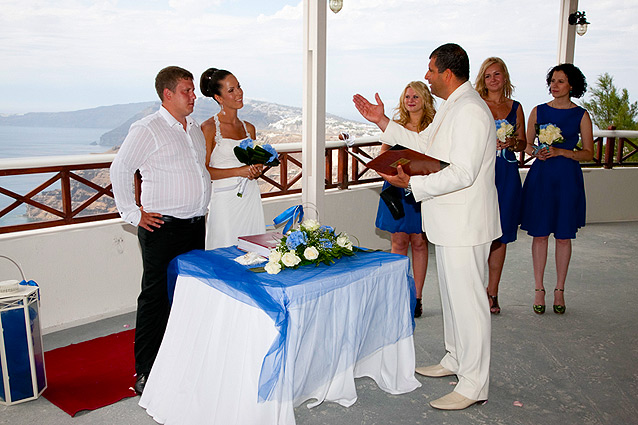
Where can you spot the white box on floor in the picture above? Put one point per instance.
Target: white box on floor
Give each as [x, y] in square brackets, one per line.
[21, 351]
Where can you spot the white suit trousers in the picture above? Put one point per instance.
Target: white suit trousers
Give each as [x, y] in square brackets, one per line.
[466, 316]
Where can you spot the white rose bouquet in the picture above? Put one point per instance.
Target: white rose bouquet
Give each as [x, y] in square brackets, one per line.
[504, 131]
[312, 243]
[548, 135]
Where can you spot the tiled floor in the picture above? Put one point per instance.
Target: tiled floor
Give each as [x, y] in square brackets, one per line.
[579, 368]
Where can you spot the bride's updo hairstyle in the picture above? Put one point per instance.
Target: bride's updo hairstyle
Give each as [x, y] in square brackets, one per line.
[209, 82]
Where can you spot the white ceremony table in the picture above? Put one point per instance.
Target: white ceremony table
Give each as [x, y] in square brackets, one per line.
[246, 348]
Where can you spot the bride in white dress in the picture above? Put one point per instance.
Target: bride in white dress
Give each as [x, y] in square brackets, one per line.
[229, 215]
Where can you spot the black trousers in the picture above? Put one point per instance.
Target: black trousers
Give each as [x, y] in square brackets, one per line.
[159, 247]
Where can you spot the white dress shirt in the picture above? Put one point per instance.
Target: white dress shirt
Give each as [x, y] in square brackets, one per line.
[175, 181]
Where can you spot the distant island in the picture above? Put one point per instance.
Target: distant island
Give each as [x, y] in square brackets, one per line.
[274, 123]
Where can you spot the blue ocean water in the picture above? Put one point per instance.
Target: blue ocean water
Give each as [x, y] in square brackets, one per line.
[18, 142]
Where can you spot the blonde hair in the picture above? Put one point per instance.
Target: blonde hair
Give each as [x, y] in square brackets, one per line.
[479, 84]
[401, 114]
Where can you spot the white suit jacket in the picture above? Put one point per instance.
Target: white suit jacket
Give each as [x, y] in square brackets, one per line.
[459, 204]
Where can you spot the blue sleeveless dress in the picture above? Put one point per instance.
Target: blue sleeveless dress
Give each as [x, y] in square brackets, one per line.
[410, 223]
[508, 186]
[554, 190]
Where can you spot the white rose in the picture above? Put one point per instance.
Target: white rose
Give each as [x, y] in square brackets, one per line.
[290, 259]
[311, 224]
[275, 256]
[344, 242]
[501, 134]
[542, 136]
[311, 253]
[273, 267]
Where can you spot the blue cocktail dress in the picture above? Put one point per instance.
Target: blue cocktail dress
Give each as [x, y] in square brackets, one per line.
[410, 223]
[554, 190]
[508, 186]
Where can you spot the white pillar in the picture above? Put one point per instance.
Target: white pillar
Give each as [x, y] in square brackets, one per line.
[566, 32]
[314, 108]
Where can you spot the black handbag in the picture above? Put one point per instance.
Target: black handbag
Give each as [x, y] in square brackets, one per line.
[391, 196]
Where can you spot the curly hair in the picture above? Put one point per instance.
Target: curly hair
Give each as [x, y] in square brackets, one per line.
[575, 78]
[479, 84]
[402, 116]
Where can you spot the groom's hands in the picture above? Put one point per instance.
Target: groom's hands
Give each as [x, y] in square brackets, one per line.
[150, 220]
[371, 112]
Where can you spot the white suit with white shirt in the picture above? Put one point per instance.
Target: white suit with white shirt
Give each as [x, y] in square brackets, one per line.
[459, 209]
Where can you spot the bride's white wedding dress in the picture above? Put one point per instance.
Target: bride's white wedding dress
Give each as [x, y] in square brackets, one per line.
[230, 216]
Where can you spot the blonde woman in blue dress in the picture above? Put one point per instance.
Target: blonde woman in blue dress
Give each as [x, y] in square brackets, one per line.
[495, 87]
[229, 215]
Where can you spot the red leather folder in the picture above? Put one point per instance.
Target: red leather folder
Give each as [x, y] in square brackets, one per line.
[413, 163]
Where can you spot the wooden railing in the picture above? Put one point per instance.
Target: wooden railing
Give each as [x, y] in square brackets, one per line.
[85, 193]
[63, 207]
[612, 148]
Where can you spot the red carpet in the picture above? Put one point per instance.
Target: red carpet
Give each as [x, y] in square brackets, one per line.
[91, 374]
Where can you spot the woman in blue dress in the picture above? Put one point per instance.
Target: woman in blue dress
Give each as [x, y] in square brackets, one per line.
[495, 87]
[554, 190]
[415, 112]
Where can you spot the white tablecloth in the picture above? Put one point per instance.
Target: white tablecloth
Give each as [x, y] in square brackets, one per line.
[208, 368]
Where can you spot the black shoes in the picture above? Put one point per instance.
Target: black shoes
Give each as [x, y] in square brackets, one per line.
[140, 383]
[494, 307]
[418, 309]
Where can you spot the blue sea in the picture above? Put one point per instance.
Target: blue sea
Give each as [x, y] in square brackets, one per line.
[18, 142]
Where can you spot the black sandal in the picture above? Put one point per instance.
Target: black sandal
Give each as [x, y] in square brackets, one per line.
[418, 309]
[494, 307]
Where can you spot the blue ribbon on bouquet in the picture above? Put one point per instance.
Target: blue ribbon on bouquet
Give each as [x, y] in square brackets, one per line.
[289, 216]
[539, 147]
[503, 153]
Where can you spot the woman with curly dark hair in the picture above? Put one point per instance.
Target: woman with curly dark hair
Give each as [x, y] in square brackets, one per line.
[554, 190]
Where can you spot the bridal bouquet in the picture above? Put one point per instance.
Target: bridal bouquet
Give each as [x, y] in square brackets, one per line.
[312, 243]
[250, 152]
[548, 134]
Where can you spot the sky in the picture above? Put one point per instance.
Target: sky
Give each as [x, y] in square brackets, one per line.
[64, 55]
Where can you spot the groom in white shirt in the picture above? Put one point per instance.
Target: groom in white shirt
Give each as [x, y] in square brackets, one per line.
[459, 215]
[168, 149]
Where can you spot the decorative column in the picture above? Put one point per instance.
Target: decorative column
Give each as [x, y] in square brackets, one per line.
[566, 32]
[314, 108]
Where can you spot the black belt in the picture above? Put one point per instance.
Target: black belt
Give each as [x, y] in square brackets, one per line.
[171, 219]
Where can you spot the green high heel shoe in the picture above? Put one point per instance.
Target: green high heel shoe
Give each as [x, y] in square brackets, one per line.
[559, 309]
[539, 309]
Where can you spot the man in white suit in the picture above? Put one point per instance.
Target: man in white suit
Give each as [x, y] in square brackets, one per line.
[459, 209]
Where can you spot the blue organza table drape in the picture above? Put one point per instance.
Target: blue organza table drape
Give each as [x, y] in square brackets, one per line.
[278, 294]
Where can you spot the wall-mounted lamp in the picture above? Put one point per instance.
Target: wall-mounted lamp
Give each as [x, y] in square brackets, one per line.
[578, 19]
[336, 5]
